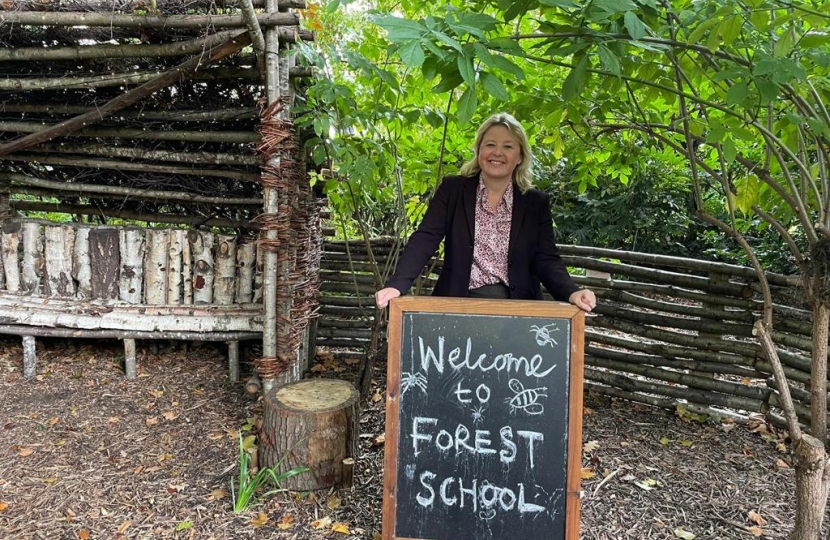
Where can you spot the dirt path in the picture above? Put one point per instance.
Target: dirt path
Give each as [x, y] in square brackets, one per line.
[84, 453]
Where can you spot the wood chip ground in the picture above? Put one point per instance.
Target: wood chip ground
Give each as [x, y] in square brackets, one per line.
[85, 453]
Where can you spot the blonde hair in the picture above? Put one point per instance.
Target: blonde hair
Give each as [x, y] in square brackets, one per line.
[522, 174]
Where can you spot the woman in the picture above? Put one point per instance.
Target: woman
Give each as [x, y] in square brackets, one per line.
[497, 229]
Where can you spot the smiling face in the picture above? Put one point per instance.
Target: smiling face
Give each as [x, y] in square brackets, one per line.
[499, 154]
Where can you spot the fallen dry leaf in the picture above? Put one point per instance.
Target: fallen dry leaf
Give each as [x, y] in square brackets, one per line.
[379, 440]
[590, 446]
[156, 393]
[152, 421]
[83, 534]
[123, 527]
[756, 531]
[260, 520]
[26, 452]
[170, 415]
[113, 419]
[377, 396]
[587, 473]
[756, 518]
[286, 522]
[3, 506]
[340, 527]
[333, 502]
[322, 523]
[217, 494]
[782, 464]
[54, 420]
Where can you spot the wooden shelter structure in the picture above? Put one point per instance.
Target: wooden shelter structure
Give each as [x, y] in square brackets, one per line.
[151, 184]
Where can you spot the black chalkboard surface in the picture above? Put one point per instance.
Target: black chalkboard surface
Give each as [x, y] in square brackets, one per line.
[483, 420]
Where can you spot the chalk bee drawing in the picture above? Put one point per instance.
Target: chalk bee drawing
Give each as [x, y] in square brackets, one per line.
[526, 399]
[543, 334]
[409, 380]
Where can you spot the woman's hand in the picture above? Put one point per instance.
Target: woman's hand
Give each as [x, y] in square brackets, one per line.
[584, 299]
[383, 296]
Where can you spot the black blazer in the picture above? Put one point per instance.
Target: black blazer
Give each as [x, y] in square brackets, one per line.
[532, 254]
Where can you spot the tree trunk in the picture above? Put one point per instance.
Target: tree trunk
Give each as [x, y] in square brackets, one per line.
[311, 423]
[187, 270]
[131, 279]
[818, 391]
[811, 481]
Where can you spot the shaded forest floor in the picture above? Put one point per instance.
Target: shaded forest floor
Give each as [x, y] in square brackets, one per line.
[85, 453]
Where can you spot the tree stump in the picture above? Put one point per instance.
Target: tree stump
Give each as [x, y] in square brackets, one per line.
[311, 423]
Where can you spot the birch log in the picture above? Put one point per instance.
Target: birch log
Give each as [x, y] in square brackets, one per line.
[155, 268]
[104, 262]
[246, 265]
[11, 262]
[2, 276]
[29, 356]
[257, 296]
[59, 247]
[131, 279]
[187, 271]
[224, 283]
[81, 265]
[201, 248]
[31, 270]
[174, 267]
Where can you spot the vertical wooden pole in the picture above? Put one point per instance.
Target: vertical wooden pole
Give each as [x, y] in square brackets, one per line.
[82, 265]
[11, 260]
[129, 358]
[29, 356]
[269, 267]
[31, 271]
[131, 247]
[233, 360]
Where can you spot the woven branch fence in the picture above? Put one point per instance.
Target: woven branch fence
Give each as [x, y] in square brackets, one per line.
[667, 330]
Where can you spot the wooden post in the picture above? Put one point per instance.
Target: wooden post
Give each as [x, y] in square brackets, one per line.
[187, 271]
[129, 358]
[233, 360]
[311, 423]
[10, 241]
[59, 248]
[31, 270]
[131, 278]
[174, 266]
[224, 284]
[29, 356]
[245, 264]
[201, 246]
[82, 265]
[155, 268]
[104, 262]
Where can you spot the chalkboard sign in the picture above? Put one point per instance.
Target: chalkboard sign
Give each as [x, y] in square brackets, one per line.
[483, 420]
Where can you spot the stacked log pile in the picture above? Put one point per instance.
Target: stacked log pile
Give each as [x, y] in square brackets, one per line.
[667, 331]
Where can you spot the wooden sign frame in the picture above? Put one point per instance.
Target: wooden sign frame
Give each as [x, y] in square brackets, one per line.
[467, 306]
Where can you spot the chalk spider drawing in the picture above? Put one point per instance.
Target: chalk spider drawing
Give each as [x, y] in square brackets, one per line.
[543, 334]
[478, 414]
[409, 380]
[526, 399]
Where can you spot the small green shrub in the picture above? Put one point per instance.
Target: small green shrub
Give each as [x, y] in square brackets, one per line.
[251, 483]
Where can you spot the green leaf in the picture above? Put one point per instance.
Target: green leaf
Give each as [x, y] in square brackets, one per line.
[450, 79]
[398, 29]
[684, 534]
[636, 28]
[494, 86]
[567, 4]
[698, 32]
[784, 45]
[609, 59]
[748, 191]
[184, 525]
[575, 81]
[448, 41]
[508, 66]
[809, 41]
[737, 94]
[730, 29]
[767, 89]
[466, 69]
[729, 150]
[412, 54]
[467, 105]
